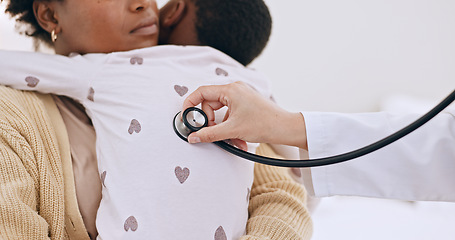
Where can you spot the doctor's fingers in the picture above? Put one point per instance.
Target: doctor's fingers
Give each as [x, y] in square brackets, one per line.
[209, 108]
[229, 95]
[195, 138]
[214, 133]
[213, 93]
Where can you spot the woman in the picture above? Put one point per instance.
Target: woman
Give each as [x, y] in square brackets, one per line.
[50, 183]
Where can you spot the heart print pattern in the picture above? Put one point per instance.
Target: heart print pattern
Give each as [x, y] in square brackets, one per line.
[182, 174]
[220, 234]
[31, 81]
[135, 126]
[296, 172]
[220, 71]
[181, 90]
[103, 177]
[91, 94]
[137, 60]
[130, 223]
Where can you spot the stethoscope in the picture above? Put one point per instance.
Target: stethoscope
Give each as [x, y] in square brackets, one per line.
[193, 119]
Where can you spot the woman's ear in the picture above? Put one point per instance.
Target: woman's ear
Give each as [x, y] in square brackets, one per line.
[172, 13]
[45, 15]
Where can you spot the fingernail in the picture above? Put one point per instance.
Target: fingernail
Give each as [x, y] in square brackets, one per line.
[194, 140]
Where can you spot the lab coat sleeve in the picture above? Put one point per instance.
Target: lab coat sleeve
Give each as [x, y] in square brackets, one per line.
[420, 166]
[46, 73]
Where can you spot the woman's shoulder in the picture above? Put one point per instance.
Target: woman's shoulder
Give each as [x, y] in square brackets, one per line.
[30, 152]
[25, 113]
[19, 104]
[14, 96]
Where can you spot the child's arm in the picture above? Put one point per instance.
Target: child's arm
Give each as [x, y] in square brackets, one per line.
[45, 73]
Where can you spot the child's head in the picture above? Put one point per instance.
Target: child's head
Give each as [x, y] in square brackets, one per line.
[87, 26]
[239, 28]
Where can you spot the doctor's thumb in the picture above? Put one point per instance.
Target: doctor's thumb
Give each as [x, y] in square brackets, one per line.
[213, 134]
[209, 134]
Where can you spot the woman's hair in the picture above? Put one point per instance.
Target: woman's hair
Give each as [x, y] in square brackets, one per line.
[239, 28]
[22, 10]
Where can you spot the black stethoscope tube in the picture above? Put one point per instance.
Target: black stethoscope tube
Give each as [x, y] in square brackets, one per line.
[345, 156]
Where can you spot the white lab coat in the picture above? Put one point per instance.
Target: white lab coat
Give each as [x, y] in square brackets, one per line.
[420, 166]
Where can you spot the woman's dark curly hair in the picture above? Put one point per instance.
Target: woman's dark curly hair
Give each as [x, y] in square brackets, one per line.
[239, 28]
[22, 10]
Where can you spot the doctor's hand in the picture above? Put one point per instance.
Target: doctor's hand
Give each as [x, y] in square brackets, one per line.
[250, 117]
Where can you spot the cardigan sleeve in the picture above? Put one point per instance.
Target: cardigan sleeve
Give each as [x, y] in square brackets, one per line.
[19, 218]
[277, 205]
[31, 181]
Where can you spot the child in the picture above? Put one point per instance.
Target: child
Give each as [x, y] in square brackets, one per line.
[120, 92]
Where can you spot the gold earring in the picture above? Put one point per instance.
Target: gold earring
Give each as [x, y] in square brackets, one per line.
[53, 36]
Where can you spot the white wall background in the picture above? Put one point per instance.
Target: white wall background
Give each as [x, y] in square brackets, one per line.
[347, 55]
[350, 56]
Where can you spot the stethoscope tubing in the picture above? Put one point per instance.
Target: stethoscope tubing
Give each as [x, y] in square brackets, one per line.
[318, 162]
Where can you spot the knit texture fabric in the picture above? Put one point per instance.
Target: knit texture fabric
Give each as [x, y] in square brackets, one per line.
[32, 181]
[37, 193]
[278, 204]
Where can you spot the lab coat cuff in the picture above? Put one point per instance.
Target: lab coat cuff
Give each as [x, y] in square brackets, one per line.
[316, 139]
[306, 173]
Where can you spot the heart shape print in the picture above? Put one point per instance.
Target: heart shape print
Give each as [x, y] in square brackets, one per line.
[103, 177]
[91, 94]
[135, 126]
[137, 60]
[220, 71]
[181, 90]
[182, 174]
[130, 223]
[296, 172]
[31, 81]
[220, 234]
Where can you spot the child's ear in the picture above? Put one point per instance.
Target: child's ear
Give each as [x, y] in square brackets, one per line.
[173, 13]
[45, 15]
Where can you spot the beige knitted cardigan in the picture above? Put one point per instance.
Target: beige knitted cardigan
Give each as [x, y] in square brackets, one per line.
[37, 191]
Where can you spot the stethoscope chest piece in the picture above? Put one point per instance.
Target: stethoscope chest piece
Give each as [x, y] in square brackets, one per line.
[192, 120]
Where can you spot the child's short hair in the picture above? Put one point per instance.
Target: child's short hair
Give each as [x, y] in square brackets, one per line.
[239, 28]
